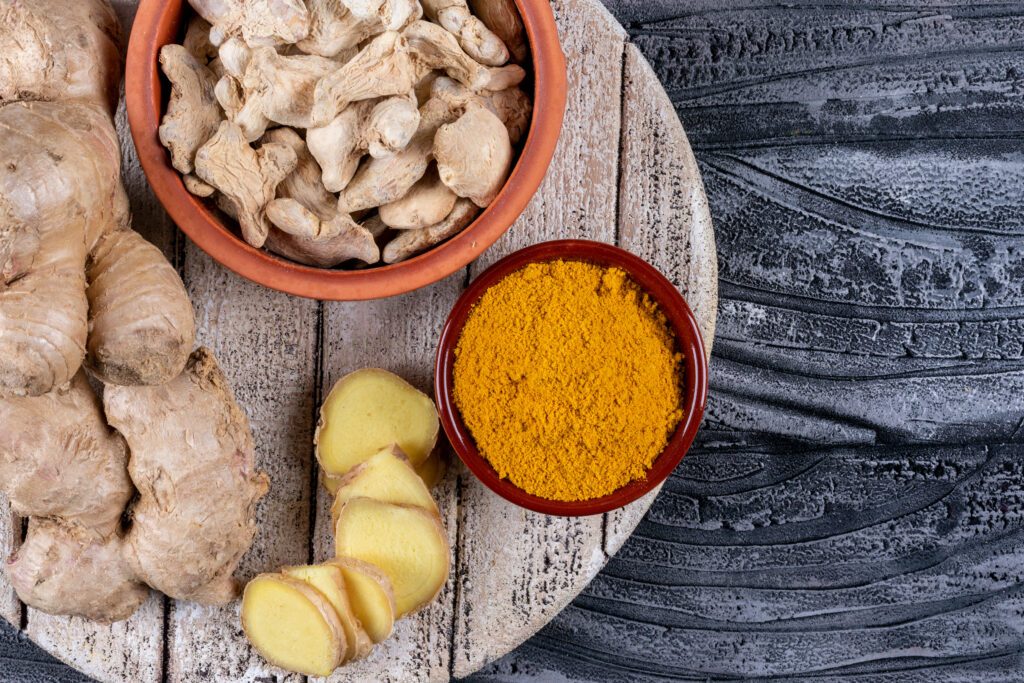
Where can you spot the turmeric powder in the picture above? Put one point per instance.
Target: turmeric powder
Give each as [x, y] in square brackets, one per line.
[569, 379]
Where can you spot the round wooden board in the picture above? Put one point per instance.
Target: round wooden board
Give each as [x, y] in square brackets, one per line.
[624, 174]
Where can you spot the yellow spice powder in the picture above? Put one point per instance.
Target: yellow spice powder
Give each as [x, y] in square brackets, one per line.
[568, 377]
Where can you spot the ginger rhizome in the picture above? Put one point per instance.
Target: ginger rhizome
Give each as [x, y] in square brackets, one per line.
[80, 292]
[392, 552]
[368, 86]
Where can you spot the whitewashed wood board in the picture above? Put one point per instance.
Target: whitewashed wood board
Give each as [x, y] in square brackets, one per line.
[623, 173]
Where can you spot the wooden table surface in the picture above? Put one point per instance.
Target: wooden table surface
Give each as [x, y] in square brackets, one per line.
[854, 509]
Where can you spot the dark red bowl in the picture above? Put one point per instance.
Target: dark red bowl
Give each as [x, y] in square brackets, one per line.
[682, 321]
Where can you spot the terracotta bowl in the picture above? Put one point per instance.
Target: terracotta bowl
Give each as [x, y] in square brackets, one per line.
[680, 317]
[159, 22]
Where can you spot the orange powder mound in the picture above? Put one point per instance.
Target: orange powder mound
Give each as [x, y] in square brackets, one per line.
[568, 377]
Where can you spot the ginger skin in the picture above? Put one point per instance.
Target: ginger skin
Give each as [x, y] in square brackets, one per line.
[192, 459]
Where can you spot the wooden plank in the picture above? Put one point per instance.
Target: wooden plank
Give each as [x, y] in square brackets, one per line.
[400, 335]
[518, 569]
[266, 343]
[663, 218]
[10, 537]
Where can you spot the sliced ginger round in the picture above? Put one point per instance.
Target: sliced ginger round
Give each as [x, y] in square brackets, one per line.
[330, 581]
[293, 625]
[407, 543]
[371, 596]
[387, 477]
[369, 410]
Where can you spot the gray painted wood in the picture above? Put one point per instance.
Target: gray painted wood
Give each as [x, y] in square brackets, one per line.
[852, 510]
[513, 570]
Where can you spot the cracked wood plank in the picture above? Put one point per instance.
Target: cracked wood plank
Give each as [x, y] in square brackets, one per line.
[852, 511]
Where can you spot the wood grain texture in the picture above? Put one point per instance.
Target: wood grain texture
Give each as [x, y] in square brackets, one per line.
[852, 512]
[266, 343]
[513, 571]
[10, 539]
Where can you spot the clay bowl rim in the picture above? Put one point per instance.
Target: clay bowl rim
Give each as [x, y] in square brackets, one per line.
[682, 321]
[157, 23]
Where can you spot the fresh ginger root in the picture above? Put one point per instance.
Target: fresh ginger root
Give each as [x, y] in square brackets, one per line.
[66, 569]
[79, 289]
[90, 489]
[62, 192]
[369, 410]
[193, 464]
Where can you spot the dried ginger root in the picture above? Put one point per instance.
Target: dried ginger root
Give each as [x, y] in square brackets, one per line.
[193, 113]
[359, 77]
[476, 39]
[307, 226]
[412, 242]
[246, 178]
[474, 155]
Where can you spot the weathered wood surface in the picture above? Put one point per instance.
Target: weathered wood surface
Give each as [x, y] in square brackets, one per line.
[514, 571]
[853, 509]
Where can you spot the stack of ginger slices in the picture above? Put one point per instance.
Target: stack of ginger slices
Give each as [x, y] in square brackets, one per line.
[392, 552]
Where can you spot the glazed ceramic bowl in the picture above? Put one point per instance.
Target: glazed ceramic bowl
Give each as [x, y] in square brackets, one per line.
[682, 322]
[159, 22]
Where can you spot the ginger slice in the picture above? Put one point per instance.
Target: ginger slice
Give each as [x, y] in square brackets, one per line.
[368, 411]
[292, 625]
[387, 477]
[407, 543]
[329, 580]
[370, 595]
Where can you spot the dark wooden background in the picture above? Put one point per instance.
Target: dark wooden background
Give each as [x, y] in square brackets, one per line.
[854, 509]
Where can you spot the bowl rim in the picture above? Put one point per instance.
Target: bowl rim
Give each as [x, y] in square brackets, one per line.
[157, 23]
[691, 346]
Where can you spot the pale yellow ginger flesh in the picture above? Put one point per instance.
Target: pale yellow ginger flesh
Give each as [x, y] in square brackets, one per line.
[369, 410]
[192, 460]
[370, 595]
[329, 580]
[293, 625]
[387, 477]
[407, 543]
